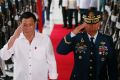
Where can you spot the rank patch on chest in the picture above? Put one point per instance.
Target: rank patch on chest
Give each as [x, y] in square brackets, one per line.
[103, 49]
[81, 46]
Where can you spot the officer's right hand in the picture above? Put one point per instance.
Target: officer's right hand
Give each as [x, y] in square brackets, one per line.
[79, 29]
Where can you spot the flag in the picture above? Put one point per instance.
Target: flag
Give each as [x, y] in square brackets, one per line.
[39, 6]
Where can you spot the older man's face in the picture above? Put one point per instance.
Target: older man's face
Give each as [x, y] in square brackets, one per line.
[28, 25]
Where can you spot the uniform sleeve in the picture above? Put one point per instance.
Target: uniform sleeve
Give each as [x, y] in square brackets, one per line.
[65, 46]
[5, 54]
[51, 62]
[112, 62]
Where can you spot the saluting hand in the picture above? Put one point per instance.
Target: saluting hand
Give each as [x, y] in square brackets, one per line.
[14, 37]
[78, 29]
[18, 31]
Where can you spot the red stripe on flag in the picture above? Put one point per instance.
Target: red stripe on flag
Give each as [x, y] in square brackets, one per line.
[39, 12]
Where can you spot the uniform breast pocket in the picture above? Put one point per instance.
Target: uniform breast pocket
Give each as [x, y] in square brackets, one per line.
[103, 51]
[39, 53]
[102, 57]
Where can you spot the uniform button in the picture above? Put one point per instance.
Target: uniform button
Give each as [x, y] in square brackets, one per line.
[74, 75]
[102, 59]
[103, 54]
[80, 57]
[90, 74]
[91, 53]
[29, 49]
[91, 67]
[29, 57]
[100, 53]
[91, 60]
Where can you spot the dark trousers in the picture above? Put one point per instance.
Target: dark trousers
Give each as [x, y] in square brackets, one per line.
[117, 32]
[113, 26]
[64, 14]
[71, 13]
[102, 5]
[82, 12]
[48, 10]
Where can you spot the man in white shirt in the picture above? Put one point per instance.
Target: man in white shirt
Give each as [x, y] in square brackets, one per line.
[72, 10]
[33, 52]
[63, 4]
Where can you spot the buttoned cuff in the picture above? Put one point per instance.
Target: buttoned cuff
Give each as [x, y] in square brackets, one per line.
[5, 53]
[8, 50]
[72, 34]
[53, 75]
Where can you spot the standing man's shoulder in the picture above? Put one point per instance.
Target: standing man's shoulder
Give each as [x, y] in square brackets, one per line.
[43, 37]
[107, 38]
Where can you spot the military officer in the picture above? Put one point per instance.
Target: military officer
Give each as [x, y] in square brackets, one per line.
[94, 54]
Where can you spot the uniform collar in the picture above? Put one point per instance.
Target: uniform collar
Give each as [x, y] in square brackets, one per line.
[95, 36]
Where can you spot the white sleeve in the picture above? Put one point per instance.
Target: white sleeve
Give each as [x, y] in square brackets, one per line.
[45, 3]
[51, 62]
[93, 3]
[5, 54]
[2, 66]
[65, 3]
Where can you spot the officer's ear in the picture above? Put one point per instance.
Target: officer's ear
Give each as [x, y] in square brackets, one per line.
[98, 25]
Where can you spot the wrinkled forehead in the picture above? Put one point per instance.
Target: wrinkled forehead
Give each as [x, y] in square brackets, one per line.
[28, 20]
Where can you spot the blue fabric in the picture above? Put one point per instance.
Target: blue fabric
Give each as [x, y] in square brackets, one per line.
[104, 55]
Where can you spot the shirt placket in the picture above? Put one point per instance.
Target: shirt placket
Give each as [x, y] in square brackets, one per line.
[30, 64]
